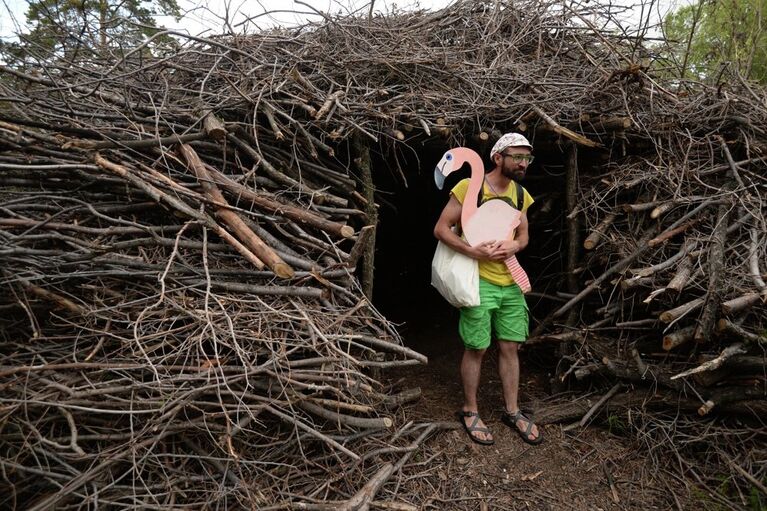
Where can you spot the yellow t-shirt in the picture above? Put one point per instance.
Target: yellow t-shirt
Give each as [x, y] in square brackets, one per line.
[493, 271]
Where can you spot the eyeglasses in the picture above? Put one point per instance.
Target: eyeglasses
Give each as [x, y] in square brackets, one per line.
[519, 158]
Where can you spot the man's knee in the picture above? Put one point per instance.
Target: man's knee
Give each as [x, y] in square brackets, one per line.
[475, 354]
[509, 347]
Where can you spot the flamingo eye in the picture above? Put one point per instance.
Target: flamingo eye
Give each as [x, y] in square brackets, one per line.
[448, 156]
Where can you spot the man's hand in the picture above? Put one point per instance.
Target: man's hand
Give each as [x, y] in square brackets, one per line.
[484, 251]
[502, 250]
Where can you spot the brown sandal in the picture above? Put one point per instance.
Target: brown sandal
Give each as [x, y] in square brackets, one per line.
[510, 419]
[473, 428]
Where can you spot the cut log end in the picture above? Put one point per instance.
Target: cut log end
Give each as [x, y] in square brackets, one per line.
[218, 133]
[677, 338]
[347, 231]
[283, 271]
[706, 408]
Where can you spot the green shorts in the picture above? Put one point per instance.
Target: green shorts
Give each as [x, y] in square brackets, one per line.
[501, 309]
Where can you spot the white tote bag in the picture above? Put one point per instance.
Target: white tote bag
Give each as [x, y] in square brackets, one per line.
[455, 276]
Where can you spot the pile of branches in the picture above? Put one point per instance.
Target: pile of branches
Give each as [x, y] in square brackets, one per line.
[674, 254]
[165, 342]
[186, 239]
[668, 314]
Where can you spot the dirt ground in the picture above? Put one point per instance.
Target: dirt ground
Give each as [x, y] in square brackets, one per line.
[584, 469]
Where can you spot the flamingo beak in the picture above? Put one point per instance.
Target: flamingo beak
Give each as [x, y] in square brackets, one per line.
[439, 177]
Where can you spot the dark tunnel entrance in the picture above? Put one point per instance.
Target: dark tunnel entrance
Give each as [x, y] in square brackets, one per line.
[410, 204]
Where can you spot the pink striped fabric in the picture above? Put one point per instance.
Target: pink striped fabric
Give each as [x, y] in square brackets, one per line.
[518, 274]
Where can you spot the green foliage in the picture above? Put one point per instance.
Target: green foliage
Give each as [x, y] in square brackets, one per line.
[724, 485]
[755, 500]
[616, 425]
[79, 28]
[719, 33]
[729, 491]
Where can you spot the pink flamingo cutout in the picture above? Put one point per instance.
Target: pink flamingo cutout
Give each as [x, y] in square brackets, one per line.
[493, 220]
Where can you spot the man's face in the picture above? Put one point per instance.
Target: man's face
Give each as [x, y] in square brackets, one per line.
[514, 162]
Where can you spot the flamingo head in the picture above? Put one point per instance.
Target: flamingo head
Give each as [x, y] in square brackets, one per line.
[449, 163]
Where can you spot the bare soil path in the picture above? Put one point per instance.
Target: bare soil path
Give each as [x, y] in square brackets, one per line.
[588, 469]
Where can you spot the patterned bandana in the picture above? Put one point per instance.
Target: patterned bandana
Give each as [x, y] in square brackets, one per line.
[510, 140]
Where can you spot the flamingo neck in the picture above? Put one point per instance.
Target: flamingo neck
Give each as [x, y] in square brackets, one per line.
[475, 186]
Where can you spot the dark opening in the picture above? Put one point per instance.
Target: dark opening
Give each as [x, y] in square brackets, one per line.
[405, 243]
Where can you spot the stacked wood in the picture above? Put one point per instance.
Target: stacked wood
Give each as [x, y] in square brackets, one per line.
[159, 328]
[684, 273]
[188, 242]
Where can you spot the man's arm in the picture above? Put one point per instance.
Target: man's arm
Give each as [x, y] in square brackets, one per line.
[450, 216]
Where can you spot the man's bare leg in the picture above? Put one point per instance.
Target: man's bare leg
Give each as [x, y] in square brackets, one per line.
[508, 370]
[471, 367]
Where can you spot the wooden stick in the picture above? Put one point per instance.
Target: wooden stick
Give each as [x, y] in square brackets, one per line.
[302, 216]
[300, 425]
[646, 272]
[575, 137]
[682, 276]
[573, 225]
[441, 127]
[52, 501]
[347, 420]
[268, 110]
[596, 235]
[733, 171]
[60, 301]
[240, 287]
[620, 266]
[280, 177]
[297, 77]
[659, 210]
[674, 339]
[720, 397]
[569, 336]
[360, 500]
[361, 245]
[362, 159]
[668, 234]
[406, 396]
[180, 206]
[739, 304]
[385, 345]
[611, 123]
[757, 484]
[731, 328]
[753, 264]
[331, 99]
[249, 238]
[135, 144]
[599, 404]
[715, 272]
[678, 312]
[214, 127]
[639, 207]
[735, 349]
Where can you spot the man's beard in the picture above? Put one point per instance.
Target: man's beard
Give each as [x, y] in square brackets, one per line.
[515, 174]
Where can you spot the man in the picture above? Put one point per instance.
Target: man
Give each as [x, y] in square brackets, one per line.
[502, 308]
